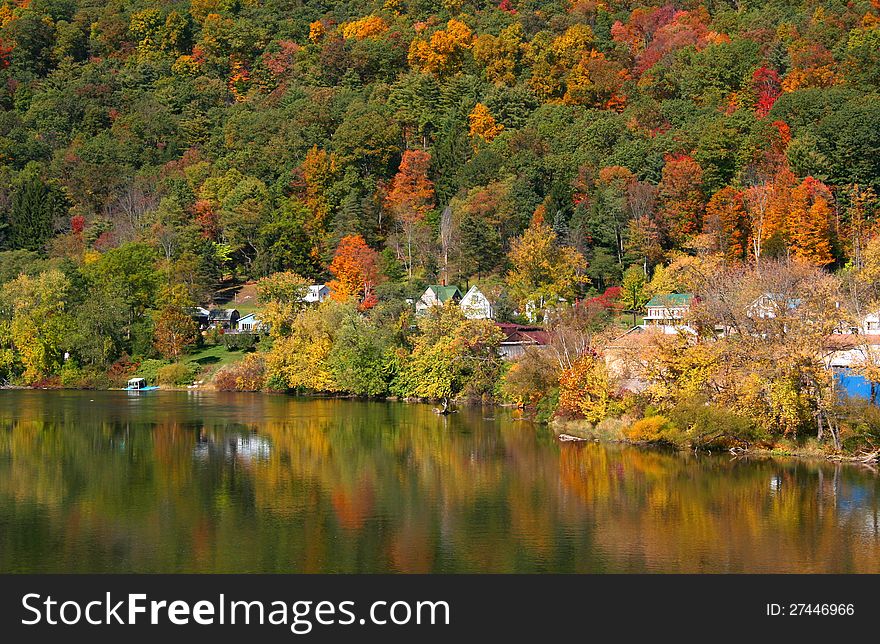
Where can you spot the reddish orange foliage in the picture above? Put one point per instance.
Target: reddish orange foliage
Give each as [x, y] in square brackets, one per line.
[809, 222]
[767, 87]
[411, 194]
[682, 197]
[355, 269]
[207, 219]
[726, 222]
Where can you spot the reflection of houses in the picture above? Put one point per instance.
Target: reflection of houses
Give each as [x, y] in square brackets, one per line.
[225, 319]
[437, 295]
[476, 306]
[518, 337]
[251, 323]
[669, 310]
[245, 448]
[317, 293]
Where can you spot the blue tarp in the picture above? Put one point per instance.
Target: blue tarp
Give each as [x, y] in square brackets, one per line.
[852, 385]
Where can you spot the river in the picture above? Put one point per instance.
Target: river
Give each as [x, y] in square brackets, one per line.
[222, 482]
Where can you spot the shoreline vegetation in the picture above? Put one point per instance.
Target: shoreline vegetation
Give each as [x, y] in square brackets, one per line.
[575, 161]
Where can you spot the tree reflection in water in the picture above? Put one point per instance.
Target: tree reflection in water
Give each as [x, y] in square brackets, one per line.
[95, 481]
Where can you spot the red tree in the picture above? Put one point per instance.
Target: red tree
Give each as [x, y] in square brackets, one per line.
[411, 196]
[355, 268]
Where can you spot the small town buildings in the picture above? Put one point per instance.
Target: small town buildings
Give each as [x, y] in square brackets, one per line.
[518, 337]
[870, 324]
[316, 294]
[476, 306]
[437, 295]
[199, 315]
[668, 310]
[251, 323]
[225, 319]
[771, 305]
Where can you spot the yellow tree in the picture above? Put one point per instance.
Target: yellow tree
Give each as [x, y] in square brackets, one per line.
[543, 271]
[443, 54]
[483, 124]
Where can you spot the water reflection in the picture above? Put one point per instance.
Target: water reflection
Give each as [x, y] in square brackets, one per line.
[207, 482]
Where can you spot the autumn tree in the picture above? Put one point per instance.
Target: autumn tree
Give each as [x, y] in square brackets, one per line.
[681, 198]
[543, 271]
[584, 390]
[482, 124]
[410, 197]
[633, 293]
[283, 298]
[443, 53]
[355, 270]
[809, 222]
[726, 222]
[175, 329]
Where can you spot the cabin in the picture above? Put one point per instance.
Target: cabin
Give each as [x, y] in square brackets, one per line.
[225, 319]
[199, 315]
[316, 294]
[668, 310]
[437, 295]
[251, 323]
[476, 306]
[518, 337]
[770, 305]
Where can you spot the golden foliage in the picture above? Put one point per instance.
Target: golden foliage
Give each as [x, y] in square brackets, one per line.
[483, 124]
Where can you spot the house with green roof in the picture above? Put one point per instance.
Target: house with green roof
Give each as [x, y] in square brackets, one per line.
[670, 309]
[437, 295]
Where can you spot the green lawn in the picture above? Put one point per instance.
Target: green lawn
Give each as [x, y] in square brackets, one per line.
[212, 358]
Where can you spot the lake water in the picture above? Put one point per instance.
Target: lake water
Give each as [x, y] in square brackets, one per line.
[217, 482]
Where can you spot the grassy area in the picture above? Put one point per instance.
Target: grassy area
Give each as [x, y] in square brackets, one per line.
[211, 358]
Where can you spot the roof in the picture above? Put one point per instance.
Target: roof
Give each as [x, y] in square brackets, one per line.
[846, 341]
[519, 334]
[222, 314]
[473, 291]
[671, 299]
[444, 293]
[249, 315]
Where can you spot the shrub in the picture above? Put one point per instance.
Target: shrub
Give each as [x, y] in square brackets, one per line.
[705, 424]
[654, 429]
[247, 375]
[240, 341]
[177, 373]
[149, 370]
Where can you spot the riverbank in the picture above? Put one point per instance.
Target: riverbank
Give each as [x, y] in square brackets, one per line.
[618, 430]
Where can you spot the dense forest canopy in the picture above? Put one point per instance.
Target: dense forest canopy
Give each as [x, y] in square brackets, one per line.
[247, 136]
[153, 154]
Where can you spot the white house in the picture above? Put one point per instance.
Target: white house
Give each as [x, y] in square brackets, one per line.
[316, 293]
[668, 310]
[250, 323]
[437, 295]
[870, 324]
[476, 306]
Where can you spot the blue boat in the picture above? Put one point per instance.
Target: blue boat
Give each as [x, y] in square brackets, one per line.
[139, 384]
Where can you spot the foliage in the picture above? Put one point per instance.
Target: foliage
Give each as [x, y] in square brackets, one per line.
[249, 374]
[584, 390]
[176, 374]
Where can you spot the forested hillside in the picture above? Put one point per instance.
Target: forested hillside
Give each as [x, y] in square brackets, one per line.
[152, 151]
